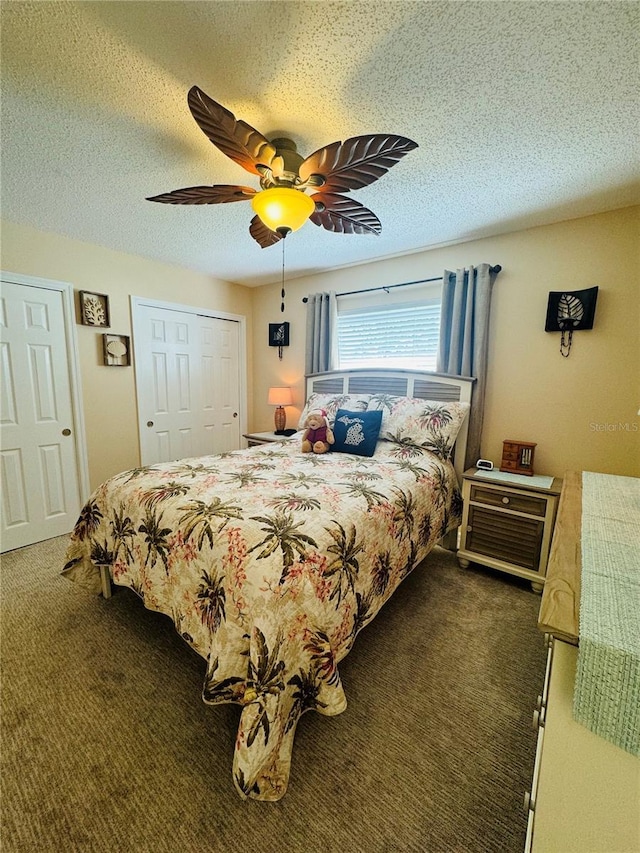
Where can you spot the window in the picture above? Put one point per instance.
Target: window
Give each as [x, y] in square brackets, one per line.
[400, 335]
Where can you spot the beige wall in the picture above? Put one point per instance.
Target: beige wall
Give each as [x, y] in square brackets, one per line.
[583, 410]
[109, 394]
[576, 409]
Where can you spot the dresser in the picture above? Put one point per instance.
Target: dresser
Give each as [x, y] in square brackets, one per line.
[585, 791]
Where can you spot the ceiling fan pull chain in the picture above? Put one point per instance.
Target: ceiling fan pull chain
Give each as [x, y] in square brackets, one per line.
[282, 291]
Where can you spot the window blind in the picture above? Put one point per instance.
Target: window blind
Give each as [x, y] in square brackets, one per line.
[404, 335]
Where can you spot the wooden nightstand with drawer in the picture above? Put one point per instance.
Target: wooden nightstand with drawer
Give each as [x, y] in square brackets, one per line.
[255, 438]
[507, 522]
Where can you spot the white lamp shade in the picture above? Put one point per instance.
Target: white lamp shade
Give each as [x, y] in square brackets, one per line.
[280, 396]
[283, 207]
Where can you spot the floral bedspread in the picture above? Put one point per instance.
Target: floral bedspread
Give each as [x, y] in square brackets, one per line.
[269, 562]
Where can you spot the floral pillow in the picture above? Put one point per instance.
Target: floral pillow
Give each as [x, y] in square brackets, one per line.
[431, 424]
[331, 403]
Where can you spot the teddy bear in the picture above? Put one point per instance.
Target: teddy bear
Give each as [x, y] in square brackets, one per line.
[317, 435]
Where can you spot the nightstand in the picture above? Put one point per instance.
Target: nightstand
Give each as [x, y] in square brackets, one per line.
[254, 438]
[507, 522]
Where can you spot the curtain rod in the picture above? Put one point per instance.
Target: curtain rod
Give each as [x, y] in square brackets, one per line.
[387, 287]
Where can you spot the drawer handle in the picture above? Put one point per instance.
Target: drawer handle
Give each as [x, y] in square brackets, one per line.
[505, 500]
[538, 720]
[529, 805]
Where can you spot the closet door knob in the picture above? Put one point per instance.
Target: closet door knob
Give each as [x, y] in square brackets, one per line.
[505, 500]
[149, 423]
[66, 431]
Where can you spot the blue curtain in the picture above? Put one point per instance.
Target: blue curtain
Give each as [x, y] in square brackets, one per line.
[464, 339]
[322, 318]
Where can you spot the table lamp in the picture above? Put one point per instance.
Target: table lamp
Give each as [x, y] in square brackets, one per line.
[280, 397]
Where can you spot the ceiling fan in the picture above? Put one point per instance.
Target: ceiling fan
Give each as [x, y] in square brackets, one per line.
[285, 175]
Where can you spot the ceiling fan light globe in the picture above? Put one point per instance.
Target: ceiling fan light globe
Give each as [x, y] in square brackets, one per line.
[283, 208]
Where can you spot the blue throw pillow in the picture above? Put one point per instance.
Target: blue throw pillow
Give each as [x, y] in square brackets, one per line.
[356, 432]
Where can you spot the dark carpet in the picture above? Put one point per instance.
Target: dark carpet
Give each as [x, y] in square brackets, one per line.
[107, 745]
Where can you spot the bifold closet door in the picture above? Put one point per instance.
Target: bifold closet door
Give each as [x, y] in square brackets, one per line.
[187, 375]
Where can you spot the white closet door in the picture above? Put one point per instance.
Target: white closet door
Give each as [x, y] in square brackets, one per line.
[183, 361]
[40, 492]
[219, 341]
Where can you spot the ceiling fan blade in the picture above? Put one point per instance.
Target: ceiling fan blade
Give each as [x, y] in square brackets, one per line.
[263, 235]
[217, 194]
[357, 162]
[235, 138]
[344, 215]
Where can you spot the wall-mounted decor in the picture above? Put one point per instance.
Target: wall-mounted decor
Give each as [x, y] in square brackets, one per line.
[279, 336]
[94, 309]
[117, 350]
[569, 312]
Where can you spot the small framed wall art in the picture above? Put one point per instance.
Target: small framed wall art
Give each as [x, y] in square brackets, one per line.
[279, 336]
[117, 350]
[94, 309]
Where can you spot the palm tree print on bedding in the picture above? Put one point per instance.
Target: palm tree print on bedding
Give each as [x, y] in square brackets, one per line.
[431, 425]
[269, 562]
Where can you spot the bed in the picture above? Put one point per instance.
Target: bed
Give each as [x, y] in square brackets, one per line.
[270, 561]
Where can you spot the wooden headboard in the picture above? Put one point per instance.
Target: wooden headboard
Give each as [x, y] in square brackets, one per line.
[401, 383]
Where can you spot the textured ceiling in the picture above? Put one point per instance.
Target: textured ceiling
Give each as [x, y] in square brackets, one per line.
[525, 113]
